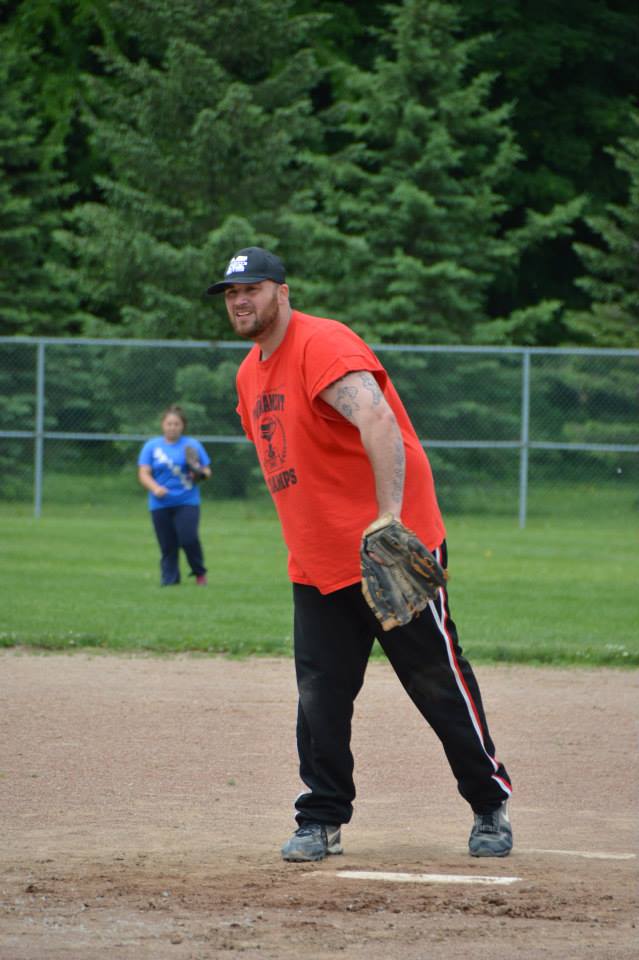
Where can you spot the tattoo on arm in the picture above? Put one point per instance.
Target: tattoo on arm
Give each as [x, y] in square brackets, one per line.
[355, 395]
[370, 383]
[346, 401]
[399, 468]
[347, 398]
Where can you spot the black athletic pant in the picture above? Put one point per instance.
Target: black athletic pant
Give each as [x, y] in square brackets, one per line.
[177, 527]
[333, 636]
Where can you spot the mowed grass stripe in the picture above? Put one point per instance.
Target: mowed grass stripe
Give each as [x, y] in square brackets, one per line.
[554, 593]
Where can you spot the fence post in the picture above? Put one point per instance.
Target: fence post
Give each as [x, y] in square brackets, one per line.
[524, 437]
[39, 431]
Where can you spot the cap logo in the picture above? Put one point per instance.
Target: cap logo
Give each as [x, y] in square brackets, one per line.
[237, 265]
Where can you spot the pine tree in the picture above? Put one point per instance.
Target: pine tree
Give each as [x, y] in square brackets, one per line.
[32, 194]
[206, 128]
[61, 38]
[405, 219]
[573, 72]
[612, 280]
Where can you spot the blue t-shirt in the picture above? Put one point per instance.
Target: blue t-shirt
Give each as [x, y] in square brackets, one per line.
[169, 469]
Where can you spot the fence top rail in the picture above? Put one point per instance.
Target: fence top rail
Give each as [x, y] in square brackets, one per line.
[380, 347]
[240, 438]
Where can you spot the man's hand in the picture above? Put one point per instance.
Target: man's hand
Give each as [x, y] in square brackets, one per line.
[399, 575]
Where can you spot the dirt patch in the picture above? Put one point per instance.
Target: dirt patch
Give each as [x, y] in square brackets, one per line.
[144, 802]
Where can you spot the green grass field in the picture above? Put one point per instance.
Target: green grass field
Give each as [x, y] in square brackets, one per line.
[559, 592]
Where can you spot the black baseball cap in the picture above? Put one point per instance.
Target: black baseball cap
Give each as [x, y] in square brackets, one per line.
[251, 265]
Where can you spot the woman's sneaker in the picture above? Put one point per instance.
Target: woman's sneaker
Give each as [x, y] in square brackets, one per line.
[492, 835]
[313, 841]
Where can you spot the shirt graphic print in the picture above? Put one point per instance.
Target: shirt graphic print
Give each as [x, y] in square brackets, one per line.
[270, 434]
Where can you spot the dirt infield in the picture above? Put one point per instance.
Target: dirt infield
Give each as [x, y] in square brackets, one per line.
[144, 801]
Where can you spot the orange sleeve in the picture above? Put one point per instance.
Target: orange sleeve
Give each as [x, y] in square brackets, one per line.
[242, 413]
[328, 359]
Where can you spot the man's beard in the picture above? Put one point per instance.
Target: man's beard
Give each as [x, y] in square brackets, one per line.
[261, 323]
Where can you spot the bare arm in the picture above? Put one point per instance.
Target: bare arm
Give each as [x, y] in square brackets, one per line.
[358, 398]
[146, 479]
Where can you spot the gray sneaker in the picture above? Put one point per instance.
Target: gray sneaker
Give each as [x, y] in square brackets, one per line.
[313, 841]
[492, 835]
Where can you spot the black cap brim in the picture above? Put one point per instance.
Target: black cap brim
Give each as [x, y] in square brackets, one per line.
[223, 284]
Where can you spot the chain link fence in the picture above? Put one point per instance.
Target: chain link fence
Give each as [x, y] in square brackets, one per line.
[518, 431]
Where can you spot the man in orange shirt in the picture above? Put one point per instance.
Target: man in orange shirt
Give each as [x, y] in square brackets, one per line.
[338, 450]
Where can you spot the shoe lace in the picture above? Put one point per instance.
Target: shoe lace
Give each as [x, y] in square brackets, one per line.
[487, 822]
[308, 829]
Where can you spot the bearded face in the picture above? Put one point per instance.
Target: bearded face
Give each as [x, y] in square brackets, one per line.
[253, 308]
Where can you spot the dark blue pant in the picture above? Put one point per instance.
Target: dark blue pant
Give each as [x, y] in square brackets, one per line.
[334, 634]
[175, 528]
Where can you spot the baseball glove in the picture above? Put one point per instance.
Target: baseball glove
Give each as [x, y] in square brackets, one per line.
[196, 471]
[399, 575]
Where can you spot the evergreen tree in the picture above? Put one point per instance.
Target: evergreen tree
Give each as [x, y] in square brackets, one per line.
[32, 194]
[404, 220]
[347, 33]
[206, 129]
[612, 280]
[61, 39]
[572, 71]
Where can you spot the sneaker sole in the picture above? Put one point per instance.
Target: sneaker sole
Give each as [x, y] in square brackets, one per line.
[306, 858]
[486, 852]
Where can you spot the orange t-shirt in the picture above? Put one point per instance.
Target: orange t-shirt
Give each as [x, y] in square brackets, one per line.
[312, 458]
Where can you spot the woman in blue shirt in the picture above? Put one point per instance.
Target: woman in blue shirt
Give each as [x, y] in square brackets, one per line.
[174, 497]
